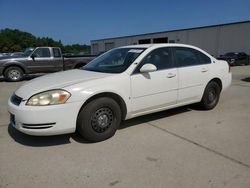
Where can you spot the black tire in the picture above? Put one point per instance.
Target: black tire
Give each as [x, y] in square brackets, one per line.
[13, 74]
[211, 96]
[99, 119]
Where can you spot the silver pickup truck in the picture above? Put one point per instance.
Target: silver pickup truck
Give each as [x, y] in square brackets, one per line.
[39, 60]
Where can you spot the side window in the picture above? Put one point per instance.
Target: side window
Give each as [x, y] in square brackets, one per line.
[190, 57]
[56, 52]
[42, 52]
[161, 58]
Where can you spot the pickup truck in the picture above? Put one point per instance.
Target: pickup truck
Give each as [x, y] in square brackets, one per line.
[39, 60]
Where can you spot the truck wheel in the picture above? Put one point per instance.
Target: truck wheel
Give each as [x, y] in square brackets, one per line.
[13, 74]
[99, 119]
[211, 96]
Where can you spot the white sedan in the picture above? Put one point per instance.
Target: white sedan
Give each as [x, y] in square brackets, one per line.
[122, 83]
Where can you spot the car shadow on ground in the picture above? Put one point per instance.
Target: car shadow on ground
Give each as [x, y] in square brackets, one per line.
[43, 141]
[247, 79]
[155, 116]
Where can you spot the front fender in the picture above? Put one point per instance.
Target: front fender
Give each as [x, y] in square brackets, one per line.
[7, 64]
[118, 85]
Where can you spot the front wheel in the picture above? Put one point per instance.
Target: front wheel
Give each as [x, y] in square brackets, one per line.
[13, 74]
[211, 96]
[99, 119]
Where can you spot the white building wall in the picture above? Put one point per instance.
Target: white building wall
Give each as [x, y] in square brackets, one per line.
[215, 40]
[235, 38]
[205, 39]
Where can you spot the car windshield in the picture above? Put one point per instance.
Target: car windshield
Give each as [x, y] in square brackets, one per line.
[114, 61]
[28, 51]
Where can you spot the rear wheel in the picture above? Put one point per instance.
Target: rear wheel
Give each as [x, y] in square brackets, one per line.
[211, 96]
[99, 119]
[13, 74]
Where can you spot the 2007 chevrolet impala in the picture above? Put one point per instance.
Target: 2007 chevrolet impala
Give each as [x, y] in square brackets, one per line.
[121, 84]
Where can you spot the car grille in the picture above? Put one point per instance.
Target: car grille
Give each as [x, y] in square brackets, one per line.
[16, 99]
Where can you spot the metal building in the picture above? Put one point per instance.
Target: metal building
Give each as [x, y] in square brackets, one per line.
[215, 39]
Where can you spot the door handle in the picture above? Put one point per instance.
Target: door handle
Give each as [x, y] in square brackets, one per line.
[171, 75]
[204, 70]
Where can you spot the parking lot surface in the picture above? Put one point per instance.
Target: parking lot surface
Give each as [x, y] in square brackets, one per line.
[182, 147]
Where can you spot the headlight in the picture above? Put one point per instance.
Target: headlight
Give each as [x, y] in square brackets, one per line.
[49, 98]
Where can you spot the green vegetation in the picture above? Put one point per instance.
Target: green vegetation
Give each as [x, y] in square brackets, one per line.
[13, 40]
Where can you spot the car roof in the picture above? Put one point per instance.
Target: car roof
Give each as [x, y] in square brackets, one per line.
[158, 45]
[154, 46]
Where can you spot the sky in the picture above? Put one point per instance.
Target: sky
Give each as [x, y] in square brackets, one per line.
[79, 21]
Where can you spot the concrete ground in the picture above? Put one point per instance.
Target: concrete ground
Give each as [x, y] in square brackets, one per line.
[183, 147]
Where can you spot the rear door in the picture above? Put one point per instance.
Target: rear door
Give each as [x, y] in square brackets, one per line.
[57, 60]
[157, 89]
[193, 71]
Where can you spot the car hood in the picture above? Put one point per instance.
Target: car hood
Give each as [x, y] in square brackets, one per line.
[57, 81]
[12, 58]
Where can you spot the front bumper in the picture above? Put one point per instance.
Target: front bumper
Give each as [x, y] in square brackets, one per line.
[44, 120]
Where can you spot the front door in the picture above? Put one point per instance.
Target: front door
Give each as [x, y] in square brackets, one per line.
[154, 90]
[41, 61]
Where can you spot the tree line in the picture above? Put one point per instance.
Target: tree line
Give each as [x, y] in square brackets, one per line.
[14, 40]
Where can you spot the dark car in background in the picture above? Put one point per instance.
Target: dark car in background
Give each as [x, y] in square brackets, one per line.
[235, 58]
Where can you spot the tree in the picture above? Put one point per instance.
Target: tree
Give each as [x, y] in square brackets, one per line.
[12, 40]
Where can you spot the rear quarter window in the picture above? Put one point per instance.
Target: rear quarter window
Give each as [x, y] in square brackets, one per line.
[204, 59]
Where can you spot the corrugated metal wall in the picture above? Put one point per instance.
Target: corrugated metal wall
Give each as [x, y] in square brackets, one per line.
[215, 40]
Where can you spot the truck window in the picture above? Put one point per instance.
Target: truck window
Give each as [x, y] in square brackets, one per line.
[56, 52]
[41, 52]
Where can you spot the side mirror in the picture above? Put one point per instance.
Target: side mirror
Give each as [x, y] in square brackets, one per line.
[33, 56]
[148, 68]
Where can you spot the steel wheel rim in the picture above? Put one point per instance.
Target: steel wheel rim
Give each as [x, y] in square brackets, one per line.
[102, 119]
[211, 96]
[14, 74]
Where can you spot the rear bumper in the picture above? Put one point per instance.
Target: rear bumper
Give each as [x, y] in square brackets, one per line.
[227, 80]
